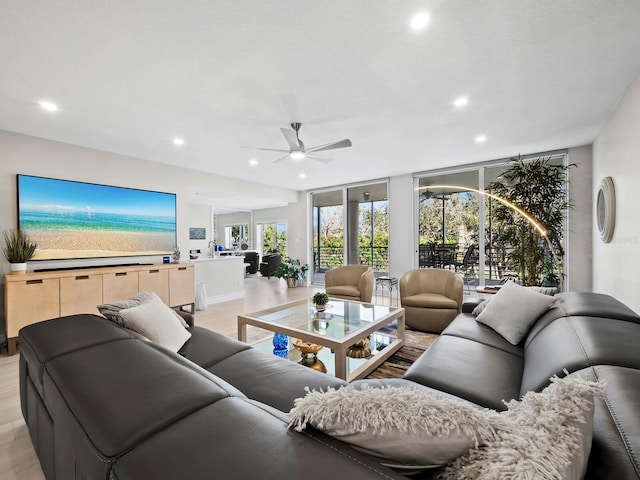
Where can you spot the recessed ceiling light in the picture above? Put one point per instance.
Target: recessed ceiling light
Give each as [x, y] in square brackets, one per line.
[420, 20]
[303, 175]
[461, 101]
[253, 162]
[48, 106]
[178, 141]
[481, 138]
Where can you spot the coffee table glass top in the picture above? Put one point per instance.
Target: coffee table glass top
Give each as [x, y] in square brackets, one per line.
[340, 319]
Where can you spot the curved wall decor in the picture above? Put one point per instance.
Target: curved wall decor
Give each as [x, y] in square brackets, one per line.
[606, 209]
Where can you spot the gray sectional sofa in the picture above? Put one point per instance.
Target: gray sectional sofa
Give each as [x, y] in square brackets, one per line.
[102, 402]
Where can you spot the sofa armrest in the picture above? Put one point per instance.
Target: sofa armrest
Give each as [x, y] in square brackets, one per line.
[188, 317]
[469, 305]
[365, 285]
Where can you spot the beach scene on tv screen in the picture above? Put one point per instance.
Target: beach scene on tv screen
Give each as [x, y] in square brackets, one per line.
[80, 220]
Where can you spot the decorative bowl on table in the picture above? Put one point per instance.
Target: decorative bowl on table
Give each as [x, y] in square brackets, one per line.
[306, 348]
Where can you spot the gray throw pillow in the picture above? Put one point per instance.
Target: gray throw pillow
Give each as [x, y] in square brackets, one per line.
[112, 310]
[154, 320]
[483, 304]
[513, 310]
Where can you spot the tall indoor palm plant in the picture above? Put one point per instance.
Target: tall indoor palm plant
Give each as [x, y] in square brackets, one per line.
[539, 187]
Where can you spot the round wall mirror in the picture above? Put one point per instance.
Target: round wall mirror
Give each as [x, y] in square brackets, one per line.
[606, 209]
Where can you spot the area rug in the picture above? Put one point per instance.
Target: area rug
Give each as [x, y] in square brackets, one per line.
[415, 343]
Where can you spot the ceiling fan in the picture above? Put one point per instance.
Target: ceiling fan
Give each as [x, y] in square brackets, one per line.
[297, 150]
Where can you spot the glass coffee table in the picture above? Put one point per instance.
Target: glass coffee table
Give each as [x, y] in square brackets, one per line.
[355, 337]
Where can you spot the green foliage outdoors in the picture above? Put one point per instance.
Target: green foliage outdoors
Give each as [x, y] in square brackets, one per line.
[373, 235]
[539, 187]
[18, 247]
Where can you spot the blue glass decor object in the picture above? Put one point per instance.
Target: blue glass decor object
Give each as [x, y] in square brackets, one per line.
[280, 345]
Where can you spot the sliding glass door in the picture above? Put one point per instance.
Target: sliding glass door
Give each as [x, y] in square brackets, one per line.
[458, 227]
[350, 226]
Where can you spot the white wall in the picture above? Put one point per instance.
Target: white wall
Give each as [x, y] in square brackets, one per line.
[402, 231]
[616, 265]
[297, 217]
[580, 221]
[199, 217]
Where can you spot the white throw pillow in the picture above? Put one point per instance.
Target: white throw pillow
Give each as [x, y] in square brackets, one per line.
[112, 310]
[548, 437]
[513, 310]
[404, 427]
[154, 320]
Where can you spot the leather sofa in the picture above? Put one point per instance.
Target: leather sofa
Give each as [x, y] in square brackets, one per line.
[102, 402]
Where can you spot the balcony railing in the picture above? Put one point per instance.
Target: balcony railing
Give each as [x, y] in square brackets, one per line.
[325, 258]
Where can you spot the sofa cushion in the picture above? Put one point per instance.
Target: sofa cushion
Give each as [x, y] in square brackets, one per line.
[616, 424]
[154, 320]
[131, 391]
[112, 310]
[239, 439]
[206, 347]
[43, 341]
[576, 342]
[403, 427]
[513, 311]
[479, 373]
[271, 379]
[546, 436]
[343, 290]
[429, 300]
[465, 326]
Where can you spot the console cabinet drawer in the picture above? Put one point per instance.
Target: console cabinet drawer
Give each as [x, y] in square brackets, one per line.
[155, 280]
[116, 286]
[31, 301]
[80, 294]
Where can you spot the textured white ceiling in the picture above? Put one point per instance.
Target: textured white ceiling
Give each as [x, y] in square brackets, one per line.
[131, 75]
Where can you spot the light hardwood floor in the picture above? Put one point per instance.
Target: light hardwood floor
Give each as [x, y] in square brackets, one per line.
[18, 460]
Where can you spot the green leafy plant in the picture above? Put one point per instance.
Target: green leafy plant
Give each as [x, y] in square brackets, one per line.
[292, 269]
[539, 187]
[320, 298]
[18, 247]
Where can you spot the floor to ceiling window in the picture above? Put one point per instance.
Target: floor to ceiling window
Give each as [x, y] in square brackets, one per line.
[458, 227]
[350, 226]
[448, 223]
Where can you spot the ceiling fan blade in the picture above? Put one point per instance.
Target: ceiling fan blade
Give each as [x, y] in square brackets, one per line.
[266, 149]
[330, 146]
[281, 158]
[319, 158]
[291, 138]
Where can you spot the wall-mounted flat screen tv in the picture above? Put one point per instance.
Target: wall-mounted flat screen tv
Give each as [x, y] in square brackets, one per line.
[70, 219]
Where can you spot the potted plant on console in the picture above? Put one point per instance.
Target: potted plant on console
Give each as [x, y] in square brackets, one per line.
[292, 271]
[18, 250]
[320, 299]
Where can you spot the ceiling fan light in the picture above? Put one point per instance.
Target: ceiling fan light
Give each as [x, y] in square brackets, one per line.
[297, 154]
